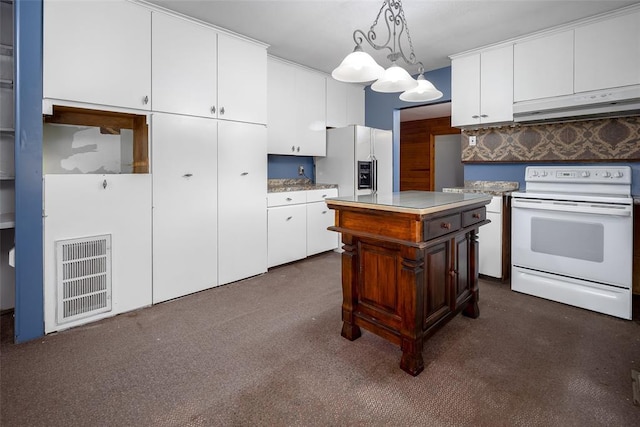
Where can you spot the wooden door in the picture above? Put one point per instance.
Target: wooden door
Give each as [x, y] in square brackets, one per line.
[417, 140]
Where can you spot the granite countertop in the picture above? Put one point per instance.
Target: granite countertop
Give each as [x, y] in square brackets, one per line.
[277, 185]
[494, 188]
[415, 202]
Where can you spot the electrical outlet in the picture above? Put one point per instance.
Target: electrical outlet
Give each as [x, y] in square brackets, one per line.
[300, 170]
[472, 141]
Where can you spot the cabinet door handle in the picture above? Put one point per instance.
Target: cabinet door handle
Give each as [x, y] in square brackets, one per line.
[324, 196]
[244, 174]
[298, 150]
[213, 109]
[476, 215]
[289, 218]
[483, 115]
[289, 199]
[324, 212]
[104, 184]
[187, 175]
[293, 148]
[222, 111]
[475, 116]
[145, 100]
[445, 225]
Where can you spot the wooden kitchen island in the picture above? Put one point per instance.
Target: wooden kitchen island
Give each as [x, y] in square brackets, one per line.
[410, 263]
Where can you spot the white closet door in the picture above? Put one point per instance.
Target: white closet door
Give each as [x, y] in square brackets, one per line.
[242, 200]
[184, 159]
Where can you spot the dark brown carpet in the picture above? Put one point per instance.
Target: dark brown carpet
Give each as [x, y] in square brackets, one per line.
[268, 351]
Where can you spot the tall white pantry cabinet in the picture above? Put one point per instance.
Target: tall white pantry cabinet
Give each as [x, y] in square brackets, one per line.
[203, 92]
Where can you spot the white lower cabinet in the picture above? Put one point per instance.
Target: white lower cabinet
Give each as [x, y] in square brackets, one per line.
[84, 207]
[287, 229]
[184, 166]
[490, 241]
[319, 218]
[298, 222]
[242, 200]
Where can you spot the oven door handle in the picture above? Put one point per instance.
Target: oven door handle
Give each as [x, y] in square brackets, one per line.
[572, 207]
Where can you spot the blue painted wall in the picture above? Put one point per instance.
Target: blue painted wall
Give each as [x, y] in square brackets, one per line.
[285, 167]
[29, 304]
[382, 111]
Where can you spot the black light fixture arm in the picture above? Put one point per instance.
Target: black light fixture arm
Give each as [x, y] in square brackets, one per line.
[393, 14]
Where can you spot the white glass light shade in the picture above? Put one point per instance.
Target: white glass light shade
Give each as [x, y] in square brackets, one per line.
[425, 91]
[394, 79]
[357, 67]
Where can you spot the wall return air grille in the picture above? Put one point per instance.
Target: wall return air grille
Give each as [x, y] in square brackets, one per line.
[83, 277]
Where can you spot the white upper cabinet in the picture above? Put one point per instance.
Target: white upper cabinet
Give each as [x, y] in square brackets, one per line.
[345, 104]
[482, 87]
[296, 110]
[184, 67]
[607, 53]
[98, 52]
[242, 80]
[543, 67]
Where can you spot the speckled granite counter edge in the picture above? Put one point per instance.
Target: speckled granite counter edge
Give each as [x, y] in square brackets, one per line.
[277, 185]
[494, 188]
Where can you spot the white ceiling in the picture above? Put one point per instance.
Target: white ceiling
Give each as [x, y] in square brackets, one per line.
[318, 34]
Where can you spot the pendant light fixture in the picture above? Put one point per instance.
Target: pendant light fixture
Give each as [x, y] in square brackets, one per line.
[360, 67]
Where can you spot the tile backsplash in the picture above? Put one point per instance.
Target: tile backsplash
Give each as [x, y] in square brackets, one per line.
[614, 139]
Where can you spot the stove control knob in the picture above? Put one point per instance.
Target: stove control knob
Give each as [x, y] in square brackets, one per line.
[606, 174]
[534, 173]
[619, 174]
[543, 173]
[585, 174]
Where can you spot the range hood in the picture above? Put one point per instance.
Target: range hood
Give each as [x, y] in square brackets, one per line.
[616, 102]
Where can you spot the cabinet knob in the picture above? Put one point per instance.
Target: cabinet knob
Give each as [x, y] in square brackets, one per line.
[475, 116]
[145, 100]
[213, 109]
[324, 212]
[445, 225]
[222, 111]
[452, 273]
[289, 199]
[476, 215]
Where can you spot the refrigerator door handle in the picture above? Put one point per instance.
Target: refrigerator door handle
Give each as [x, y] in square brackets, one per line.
[374, 175]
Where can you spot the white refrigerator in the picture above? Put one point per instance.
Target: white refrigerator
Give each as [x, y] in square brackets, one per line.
[359, 159]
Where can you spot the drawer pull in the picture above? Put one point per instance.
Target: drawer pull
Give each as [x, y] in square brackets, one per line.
[445, 225]
[244, 174]
[187, 175]
[289, 218]
[289, 199]
[476, 215]
[324, 212]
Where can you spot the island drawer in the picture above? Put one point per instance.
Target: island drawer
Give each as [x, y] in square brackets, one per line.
[440, 226]
[473, 216]
[285, 198]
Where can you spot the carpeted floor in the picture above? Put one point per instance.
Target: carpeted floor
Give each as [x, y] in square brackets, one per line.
[268, 351]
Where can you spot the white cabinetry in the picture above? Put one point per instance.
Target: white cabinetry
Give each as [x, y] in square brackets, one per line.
[490, 241]
[543, 67]
[296, 110]
[298, 222]
[79, 206]
[184, 66]
[184, 167]
[607, 53]
[345, 104]
[287, 227]
[242, 80]
[98, 52]
[242, 200]
[482, 87]
[319, 217]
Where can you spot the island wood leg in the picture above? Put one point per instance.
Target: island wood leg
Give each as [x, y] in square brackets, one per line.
[472, 310]
[350, 330]
[411, 294]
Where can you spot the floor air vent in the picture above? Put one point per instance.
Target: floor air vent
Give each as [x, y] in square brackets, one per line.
[83, 277]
